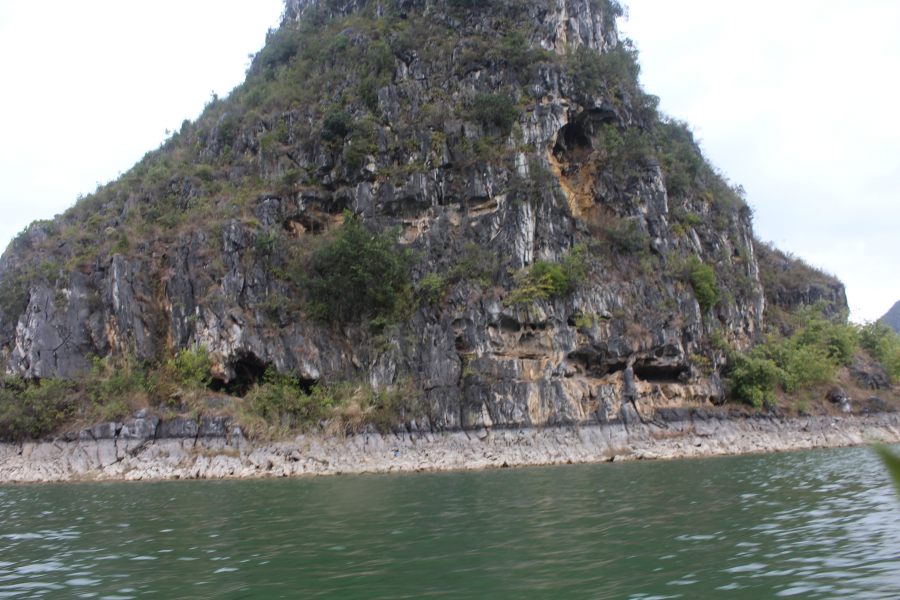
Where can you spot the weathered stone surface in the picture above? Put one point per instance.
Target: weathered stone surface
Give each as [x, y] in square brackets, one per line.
[213, 427]
[106, 452]
[874, 404]
[837, 395]
[709, 434]
[870, 375]
[144, 428]
[104, 431]
[179, 427]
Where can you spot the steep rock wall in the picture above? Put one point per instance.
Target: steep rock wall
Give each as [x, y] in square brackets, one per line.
[624, 343]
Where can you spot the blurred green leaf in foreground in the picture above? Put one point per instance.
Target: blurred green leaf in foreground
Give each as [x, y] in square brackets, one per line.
[891, 461]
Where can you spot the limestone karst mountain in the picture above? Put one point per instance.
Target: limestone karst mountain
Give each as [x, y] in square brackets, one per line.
[892, 317]
[476, 201]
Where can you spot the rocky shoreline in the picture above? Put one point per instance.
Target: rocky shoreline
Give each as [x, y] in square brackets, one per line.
[117, 453]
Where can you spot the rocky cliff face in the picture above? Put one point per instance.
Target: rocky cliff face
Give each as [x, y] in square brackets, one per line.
[517, 133]
[791, 284]
[892, 317]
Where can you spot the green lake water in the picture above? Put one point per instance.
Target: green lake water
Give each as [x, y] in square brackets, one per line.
[823, 524]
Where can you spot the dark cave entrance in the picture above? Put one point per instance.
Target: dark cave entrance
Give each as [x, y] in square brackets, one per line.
[305, 223]
[651, 373]
[661, 373]
[572, 142]
[249, 370]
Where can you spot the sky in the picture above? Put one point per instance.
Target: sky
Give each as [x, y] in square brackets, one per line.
[796, 101]
[90, 86]
[793, 100]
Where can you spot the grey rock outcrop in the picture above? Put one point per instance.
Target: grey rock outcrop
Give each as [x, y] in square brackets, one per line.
[869, 375]
[677, 433]
[178, 427]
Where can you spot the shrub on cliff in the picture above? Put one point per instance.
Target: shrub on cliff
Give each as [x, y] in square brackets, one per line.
[281, 45]
[780, 270]
[753, 379]
[595, 70]
[544, 279]
[612, 10]
[808, 356]
[280, 401]
[15, 287]
[624, 236]
[679, 158]
[362, 143]
[228, 131]
[108, 391]
[703, 280]
[30, 409]
[884, 344]
[336, 125]
[14, 295]
[191, 368]
[122, 246]
[359, 275]
[477, 264]
[497, 110]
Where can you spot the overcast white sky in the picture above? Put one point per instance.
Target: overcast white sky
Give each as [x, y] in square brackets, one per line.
[794, 100]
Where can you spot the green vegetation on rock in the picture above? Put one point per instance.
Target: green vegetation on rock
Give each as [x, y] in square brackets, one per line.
[808, 356]
[884, 344]
[105, 392]
[495, 110]
[476, 264]
[359, 275]
[547, 280]
[703, 280]
[280, 401]
[15, 286]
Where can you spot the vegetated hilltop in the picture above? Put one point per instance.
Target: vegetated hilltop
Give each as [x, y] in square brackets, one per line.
[464, 213]
[892, 318]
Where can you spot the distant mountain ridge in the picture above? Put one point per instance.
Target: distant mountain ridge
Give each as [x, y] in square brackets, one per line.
[892, 317]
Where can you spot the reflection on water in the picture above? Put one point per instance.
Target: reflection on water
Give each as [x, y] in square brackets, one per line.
[820, 524]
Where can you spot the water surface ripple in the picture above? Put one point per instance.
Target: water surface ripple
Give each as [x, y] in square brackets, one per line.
[822, 524]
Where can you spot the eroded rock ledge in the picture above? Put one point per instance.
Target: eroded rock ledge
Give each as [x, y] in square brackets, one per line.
[679, 433]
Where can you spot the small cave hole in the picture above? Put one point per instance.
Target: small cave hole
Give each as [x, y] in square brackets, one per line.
[592, 367]
[615, 368]
[572, 140]
[307, 385]
[302, 224]
[661, 373]
[508, 325]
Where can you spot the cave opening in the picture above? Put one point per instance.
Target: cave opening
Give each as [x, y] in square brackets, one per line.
[304, 223]
[661, 373]
[572, 140]
[593, 366]
[249, 370]
[509, 325]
